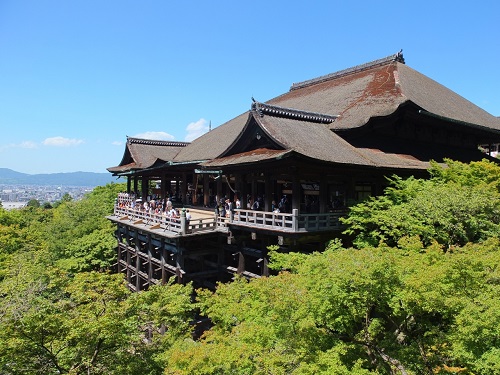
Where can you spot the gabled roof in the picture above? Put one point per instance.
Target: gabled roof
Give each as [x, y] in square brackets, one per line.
[214, 143]
[378, 89]
[309, 119]
[144, 153]
[315, 140]
[306, 134]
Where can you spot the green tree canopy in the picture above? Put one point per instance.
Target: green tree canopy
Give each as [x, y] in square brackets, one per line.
[383, 310]
[460, 204]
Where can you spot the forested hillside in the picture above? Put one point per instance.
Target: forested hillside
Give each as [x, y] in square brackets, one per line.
[419, 293]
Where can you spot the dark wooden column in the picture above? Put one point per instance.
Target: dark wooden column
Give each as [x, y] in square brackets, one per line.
[184, 188]
[296, 192]
[268, 192]
[118, 249]
[206, 190]
[253, 192]
[179, 263]
[137, 267]
[323, 194]
[219, 187]
[144, 188]
[194, 196]
[163, 260]
[243, 191]
[150, 263]
[128, 184]
[135, 185]
[163, 186]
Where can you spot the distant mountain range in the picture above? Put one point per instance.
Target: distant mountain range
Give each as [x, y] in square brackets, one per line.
[10, 177]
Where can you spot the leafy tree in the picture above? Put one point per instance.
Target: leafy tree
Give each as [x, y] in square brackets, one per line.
[385, 310]
[166, 315]
[55, 324]
[472, 174]
[452, 211]
[79, 232]
[33, 203]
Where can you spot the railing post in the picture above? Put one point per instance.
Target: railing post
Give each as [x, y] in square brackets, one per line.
[295, 220]
[183, 222]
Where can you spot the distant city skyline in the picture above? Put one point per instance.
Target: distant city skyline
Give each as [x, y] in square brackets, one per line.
[78, 77]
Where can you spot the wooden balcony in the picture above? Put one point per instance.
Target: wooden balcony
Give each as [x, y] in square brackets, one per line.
[203, 221]
[282, 222]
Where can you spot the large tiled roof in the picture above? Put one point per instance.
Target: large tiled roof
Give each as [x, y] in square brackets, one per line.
[317, 141]
[378, 89]
[144, 153]
[306, 120]
[212, 144]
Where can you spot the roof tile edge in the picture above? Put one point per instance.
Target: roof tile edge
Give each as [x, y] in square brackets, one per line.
[341, 73]
[153, 142]
[276, 111]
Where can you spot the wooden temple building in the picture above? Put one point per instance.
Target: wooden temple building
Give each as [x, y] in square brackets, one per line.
[326, 143]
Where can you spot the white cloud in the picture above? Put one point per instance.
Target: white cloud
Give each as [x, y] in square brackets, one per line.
[28, 144]
[117, 143]
[24, 144]
[195, 129]
[62, 142]
[158, 136]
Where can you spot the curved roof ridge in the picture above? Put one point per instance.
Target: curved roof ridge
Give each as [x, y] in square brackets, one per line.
[277, 111]
[155, 142]
[398, 57]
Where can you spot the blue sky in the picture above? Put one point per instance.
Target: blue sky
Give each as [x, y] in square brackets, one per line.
[77, 77]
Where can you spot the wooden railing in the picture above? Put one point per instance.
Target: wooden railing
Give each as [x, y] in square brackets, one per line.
[319, 222]
[284, 222]
[248, 218]
[177, 225]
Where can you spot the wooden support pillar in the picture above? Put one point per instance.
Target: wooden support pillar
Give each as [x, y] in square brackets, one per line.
[268, 194]
[351, 193]
[243, 191]
[129, 255]
[179, 264]
[219, 188]
[194, 196]
[150, 263]
[206, 190]
[220, 258]
[128, 184]
[144, 188]
[323, 194]
[177, 186]
[265, 267]
[253, 191]
[237, 188]
[228, 186]
[183, 222]
[137, 268]
[163, 261]
[296, 192]
[135, 186]
[241, 263]
[163, 186]
[118, 250]
[184, 186]
[129, 260]
[295, 220]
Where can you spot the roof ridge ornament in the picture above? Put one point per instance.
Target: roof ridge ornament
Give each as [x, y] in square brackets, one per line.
[398, 57]
[295, 114]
